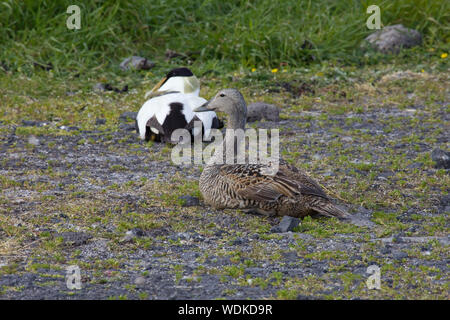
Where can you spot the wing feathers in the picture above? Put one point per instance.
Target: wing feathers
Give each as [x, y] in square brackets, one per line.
[250, 183]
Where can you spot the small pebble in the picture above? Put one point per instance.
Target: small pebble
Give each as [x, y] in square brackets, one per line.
[286, 224]
[399, 255]
[189, 201]
[139, 281]
[441, 158]
[127, 127]
[137, 63]
[415, 165]
[237, 241]
[99, 121]
[137, 232]
[33, 140]
[128, 116]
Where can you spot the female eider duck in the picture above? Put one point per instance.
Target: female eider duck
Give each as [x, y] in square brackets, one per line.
[170, 108]
[256, 187]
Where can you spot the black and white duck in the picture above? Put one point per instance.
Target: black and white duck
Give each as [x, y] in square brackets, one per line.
[170, 106]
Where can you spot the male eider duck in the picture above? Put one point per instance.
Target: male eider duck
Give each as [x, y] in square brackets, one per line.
[170, 108]
[256, 187]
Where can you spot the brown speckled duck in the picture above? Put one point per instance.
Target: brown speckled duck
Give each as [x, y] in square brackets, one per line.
[248, 186]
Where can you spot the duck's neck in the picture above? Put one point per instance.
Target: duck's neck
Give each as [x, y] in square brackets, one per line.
[237, 118]
[233, 139]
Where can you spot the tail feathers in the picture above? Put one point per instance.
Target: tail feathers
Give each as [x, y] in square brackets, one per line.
[330, 210]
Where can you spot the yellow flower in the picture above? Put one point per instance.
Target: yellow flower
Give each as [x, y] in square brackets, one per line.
[275, 70]
[253, 69]
[444, 55]
[422, 71]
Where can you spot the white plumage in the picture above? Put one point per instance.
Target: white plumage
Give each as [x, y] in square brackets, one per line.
[170, 107]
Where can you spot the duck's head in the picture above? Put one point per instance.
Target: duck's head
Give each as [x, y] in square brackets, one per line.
[180, 80]
[229, 101]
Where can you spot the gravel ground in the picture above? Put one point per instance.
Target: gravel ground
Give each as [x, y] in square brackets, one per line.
[110, 204]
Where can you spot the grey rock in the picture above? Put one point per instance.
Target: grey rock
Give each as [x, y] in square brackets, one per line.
[386, 174]
[172, 296]
[66, 128]
[347, 139]
[127, 127]
[397, 238]
[189, 201]
[55, 220]
[261, 110]
[385, 250]
[99, 87]
[180, 236]
[360, 219]
[137, 232]
[137, 63]
[304, 236]
[399, 255]
[443, 240]
[364, 212]
[286, 224]
[197, 237]
[392, 39]
[190, 256]
[99, 121]
[445, 200]
[415, 165]
[128, 116]
[33, 123]
[290, 256]
[237, 241]
[73, 238]
[441, 158]
[221, 261]
[127, 238]
[132, 234]
[33, 140]
[139, 281]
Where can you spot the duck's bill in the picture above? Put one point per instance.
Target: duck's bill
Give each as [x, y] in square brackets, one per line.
[159, 84]
[203, 108]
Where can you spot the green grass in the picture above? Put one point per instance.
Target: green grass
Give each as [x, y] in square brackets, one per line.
[217, 34]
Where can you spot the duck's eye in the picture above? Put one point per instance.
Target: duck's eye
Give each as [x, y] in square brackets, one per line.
[221, 95]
